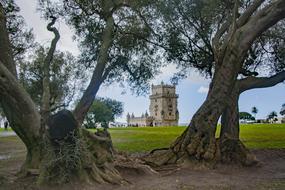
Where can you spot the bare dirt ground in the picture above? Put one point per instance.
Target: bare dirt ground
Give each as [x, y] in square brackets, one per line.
[269, 175]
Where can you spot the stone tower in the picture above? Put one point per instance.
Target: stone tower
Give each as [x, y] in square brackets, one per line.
[163, 105]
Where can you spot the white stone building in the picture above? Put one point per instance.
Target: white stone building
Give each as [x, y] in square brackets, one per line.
[163, 108]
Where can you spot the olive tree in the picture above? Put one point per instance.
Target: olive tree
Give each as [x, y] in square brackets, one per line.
[218, 38]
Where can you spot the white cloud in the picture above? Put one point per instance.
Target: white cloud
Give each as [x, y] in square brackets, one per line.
[203, 90]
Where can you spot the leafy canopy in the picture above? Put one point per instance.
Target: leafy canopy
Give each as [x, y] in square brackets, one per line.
[21, 38]
[131, 58]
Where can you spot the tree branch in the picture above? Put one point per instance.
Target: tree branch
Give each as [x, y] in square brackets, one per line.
[249, 12]
[261, 82]
[19, 108]
[45, 107]
[96, 80]
[260, 22]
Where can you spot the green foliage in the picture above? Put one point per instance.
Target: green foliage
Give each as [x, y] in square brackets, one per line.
[148, 138]
[189, 28]
[22, 39]
[246, 116]
[103, 110]
[66, 77]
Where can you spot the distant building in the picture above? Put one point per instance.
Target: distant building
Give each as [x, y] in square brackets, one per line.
[163, 108]
[279, 120]
[262, 121]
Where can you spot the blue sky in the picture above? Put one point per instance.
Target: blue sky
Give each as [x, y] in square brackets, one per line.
[192, 91]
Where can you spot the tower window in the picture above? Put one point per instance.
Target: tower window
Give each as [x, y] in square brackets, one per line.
[155, 100]
[170, 113]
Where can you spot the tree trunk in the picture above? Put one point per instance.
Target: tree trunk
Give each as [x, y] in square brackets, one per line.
[230, 117]
[232, 150]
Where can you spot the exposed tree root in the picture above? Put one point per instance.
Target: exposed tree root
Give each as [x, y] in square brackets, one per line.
[202, 153]
[136, 165]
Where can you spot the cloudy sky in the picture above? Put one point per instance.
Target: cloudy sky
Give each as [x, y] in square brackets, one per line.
[192, 91]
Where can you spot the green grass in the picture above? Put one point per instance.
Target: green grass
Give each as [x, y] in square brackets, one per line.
[147, 138]
[2, 129]
[140, 139]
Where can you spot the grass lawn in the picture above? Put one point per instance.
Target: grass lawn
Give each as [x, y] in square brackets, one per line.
[2, 129]
[137, 139]
[148, 138]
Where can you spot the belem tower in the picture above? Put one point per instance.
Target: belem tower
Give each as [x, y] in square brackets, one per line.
[163, 108]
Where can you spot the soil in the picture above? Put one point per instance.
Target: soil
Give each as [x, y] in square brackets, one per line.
[270, 174]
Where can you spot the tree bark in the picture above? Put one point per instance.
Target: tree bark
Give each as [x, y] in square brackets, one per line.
[230, 116]
[232, 150]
